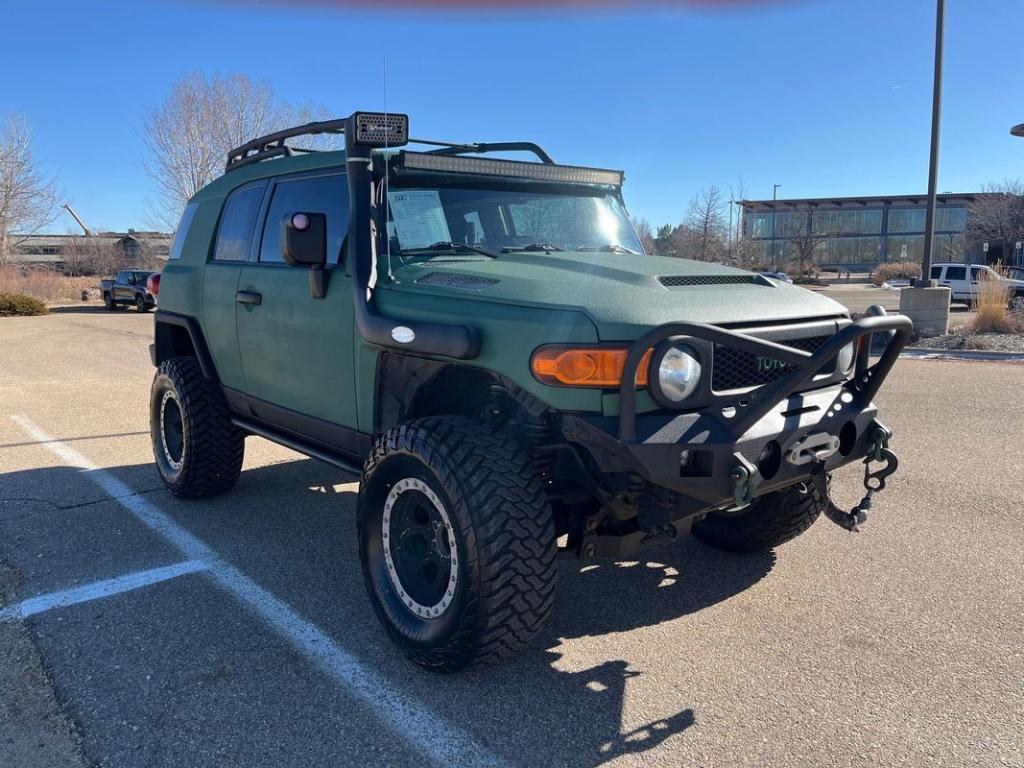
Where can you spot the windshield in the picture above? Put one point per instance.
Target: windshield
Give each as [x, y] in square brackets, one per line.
[423, 219]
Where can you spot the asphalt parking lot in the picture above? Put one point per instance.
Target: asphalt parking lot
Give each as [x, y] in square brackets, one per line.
[235, 631]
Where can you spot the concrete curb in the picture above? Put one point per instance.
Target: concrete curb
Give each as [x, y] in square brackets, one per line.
[922, 353]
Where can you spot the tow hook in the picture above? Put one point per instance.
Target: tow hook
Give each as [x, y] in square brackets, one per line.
[742, 475]
[873, 482]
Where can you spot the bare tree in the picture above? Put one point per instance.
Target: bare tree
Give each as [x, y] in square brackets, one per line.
[705, 225]
[804, 240]
[644, 232]
[92, 255]
[28, 199]
[997, 217]
[203, 118]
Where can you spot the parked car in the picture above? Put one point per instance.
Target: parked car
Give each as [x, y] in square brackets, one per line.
[784, 277]
[129, 288]
[486, 345]
[962, 279]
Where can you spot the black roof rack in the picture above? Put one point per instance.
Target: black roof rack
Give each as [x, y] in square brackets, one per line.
[273, 145]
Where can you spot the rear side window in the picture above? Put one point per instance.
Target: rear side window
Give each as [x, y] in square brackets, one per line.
[236, 224]
[956, 273]
[182, 231]
[936, 271]
[319, 194]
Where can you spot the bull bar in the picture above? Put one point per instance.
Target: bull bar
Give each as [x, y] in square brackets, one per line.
[753, 406]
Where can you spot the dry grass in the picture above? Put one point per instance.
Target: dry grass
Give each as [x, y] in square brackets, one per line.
[45, 285]
[892, 270]
[992, 312]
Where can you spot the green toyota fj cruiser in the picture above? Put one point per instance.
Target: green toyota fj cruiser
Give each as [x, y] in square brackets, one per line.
[486, 343]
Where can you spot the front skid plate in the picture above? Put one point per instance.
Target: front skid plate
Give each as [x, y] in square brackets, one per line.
[712, 449]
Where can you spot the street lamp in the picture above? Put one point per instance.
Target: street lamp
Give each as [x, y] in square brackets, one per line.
[933, 162]
[775, 196]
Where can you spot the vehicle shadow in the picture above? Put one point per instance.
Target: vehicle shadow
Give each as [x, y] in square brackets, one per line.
[84, 309]
[290, 527]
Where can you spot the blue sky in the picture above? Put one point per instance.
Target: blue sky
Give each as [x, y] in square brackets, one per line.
[823, 97]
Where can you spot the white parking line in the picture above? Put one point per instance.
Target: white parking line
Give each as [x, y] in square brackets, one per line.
[97, 590]
[408, 718]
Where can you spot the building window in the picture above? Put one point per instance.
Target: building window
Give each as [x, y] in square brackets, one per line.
[849, 250]
[861, 222]
[952, 219]
[904, 248]
[906, 220]
[759, 225]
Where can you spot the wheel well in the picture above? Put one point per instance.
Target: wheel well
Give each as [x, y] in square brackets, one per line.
[455, 390]
[413, 387]
[178, 336]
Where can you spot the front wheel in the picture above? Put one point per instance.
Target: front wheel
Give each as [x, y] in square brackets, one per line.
[108, 302]
[1017, 303]
[457, 541]
[771, 520]
[198, 450]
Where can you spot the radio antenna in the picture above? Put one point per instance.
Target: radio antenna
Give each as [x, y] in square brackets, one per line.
[387, 174]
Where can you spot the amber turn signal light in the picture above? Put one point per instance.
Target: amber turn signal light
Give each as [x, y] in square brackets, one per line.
[581, 366]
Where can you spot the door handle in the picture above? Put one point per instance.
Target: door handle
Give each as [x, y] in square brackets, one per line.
[249, 297]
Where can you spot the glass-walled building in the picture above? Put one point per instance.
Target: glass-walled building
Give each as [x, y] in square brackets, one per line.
[857, 232]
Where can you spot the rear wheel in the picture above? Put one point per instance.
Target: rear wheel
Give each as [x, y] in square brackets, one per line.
[198, 450]
[457, 542]
[140, 304]
[771, 520]
[1017, 303]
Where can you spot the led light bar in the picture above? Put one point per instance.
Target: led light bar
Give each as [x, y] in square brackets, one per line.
[514, 168]
[376, 129]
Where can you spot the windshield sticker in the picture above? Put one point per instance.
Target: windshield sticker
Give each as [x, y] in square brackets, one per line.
[419, 217]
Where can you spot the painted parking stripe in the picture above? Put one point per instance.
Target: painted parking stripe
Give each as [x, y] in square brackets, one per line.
[408, 718]
[97, 590]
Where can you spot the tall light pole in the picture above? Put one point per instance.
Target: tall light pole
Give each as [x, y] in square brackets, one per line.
[775, 196]
[933, 163]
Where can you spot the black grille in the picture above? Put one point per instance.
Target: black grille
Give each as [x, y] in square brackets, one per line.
[733, 369]
[465, 282]
[678, 281]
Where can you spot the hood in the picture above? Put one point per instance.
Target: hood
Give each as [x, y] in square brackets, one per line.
[624, 295]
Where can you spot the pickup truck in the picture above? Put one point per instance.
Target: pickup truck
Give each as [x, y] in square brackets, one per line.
[129, 287]
[962, 280]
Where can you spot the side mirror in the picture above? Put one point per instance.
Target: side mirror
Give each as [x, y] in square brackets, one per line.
[304, 239]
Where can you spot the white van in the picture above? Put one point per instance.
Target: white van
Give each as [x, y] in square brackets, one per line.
[962, 280]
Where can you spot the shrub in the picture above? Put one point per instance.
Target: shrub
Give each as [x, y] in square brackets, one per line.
[44, 284]
[12, 304]
[892, 270]
[992, 307]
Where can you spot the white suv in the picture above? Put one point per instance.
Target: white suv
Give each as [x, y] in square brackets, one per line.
[962, 280]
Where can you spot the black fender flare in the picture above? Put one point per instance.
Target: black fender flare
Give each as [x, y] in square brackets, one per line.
[165, 346]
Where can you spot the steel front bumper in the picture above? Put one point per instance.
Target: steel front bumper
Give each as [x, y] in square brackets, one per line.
[776, 433]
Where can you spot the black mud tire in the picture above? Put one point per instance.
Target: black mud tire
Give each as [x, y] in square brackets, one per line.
[140, 303]
[504, 539]
[772, 519]
[108, 302]
[202, 456]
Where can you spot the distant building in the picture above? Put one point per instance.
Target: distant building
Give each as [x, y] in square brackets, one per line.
[858, 232]
[57, 252]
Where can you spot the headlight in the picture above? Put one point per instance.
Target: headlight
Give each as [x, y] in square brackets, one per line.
[844, 360]
[677, 374]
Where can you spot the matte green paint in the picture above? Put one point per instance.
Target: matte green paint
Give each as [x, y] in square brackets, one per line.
[304, 354]
[296, 350]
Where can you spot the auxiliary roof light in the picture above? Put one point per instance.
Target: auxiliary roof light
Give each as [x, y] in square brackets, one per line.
[442, 163]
